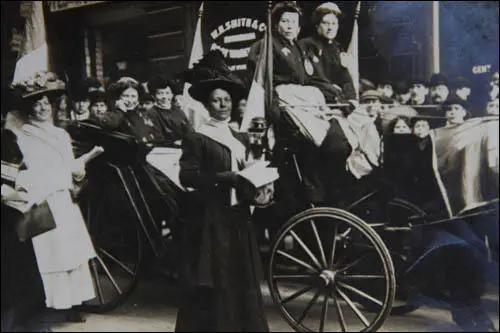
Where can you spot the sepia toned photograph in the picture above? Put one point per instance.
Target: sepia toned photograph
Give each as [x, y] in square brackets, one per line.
[250, 166]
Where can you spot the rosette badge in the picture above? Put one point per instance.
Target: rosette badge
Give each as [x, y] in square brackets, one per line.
[41, 83]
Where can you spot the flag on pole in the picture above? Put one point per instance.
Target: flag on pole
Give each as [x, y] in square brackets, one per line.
[256, 102]
[260, 95]
[352, 54]
[195, 111]
[33, 55]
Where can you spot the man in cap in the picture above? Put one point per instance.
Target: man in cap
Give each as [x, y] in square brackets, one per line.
[373, 101]
[418, 91]
[439, 90]
[325, 52]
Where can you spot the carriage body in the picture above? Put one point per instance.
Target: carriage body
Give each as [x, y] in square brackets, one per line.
[349, 256]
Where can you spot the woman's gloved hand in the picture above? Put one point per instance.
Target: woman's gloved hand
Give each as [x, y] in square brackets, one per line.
[227, 178]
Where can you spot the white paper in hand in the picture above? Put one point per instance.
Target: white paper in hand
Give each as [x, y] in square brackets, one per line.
[259, 174]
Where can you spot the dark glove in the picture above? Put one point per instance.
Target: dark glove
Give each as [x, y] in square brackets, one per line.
[227, 178]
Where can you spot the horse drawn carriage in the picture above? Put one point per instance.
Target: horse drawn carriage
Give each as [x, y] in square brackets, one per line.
[351, 257]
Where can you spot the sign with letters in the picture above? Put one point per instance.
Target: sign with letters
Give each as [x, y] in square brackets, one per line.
[57, 6]
[233, 29]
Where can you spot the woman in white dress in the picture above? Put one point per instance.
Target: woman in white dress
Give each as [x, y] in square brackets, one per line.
[63, 253]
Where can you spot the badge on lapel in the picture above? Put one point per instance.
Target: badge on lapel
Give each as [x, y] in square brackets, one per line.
[315, 59]
[286, 51]
[308, 66]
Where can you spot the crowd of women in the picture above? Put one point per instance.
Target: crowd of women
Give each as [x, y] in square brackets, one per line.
[220, 270]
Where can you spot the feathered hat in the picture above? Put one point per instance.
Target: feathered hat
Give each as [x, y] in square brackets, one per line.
[211, 73]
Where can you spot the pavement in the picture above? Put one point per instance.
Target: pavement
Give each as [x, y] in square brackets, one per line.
[152, 307]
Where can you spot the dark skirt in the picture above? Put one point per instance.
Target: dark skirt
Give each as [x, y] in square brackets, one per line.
[23, 297]
[222, 289]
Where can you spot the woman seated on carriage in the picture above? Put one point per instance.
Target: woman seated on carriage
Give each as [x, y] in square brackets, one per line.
[297, 84]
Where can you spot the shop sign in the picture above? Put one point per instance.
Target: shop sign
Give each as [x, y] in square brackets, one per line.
[57, 6]
[481, 69]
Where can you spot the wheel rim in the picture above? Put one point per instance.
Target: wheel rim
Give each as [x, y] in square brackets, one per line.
[118, 244]
[318, 291]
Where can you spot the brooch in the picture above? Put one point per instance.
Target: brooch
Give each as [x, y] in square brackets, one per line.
[286, 51]
[309, 67]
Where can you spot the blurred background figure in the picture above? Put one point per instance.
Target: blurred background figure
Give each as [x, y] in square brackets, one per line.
[439, 90]
[400, 125]
[418, 91]
[461, 88]
[147, 101]
[455, 111]
[492, 108]
[420, 127]
[238, 114]
[98, 105]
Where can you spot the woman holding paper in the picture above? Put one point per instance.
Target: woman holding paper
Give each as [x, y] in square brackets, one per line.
[48, 171]
[221, 263]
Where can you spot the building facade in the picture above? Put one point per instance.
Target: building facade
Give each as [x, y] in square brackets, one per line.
[107, 39]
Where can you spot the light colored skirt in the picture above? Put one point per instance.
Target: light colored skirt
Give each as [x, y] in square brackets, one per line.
[64, 290]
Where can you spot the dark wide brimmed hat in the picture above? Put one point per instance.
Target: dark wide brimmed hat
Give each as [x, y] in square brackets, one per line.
[212, 73]
[42, 83]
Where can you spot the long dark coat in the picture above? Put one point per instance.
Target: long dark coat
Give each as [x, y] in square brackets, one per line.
[220, 265]
[23, 296]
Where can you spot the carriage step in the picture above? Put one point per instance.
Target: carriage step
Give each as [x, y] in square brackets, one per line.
[397, 228]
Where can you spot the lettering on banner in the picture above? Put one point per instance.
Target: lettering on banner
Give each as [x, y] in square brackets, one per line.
[234, 39]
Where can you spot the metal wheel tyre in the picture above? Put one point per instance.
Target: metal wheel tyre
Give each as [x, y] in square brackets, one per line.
[116, 236]
[317, 272]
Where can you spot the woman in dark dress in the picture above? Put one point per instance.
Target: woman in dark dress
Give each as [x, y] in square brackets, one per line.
[220, 258]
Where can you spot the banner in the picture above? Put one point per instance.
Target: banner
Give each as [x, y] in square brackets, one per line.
[466, 163]
[233, 30]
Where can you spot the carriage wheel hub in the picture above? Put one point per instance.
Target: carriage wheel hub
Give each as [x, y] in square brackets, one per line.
[328, 276]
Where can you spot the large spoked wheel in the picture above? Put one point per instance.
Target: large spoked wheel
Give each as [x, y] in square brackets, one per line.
[390, 220]
[318, 275]
[116, 236]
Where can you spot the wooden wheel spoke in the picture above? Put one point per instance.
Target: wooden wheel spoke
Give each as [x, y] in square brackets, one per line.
[97, 281]
[108, 274]
[334, 246]
[309, 306]
[296, 294]
[292, 276]
[351, 265]
[298, 261]
[360, 293]
[119, 263]
[340, 314]
[306, 249]
[320, 245]
[353, 307]
[362, 277]
[324, 313]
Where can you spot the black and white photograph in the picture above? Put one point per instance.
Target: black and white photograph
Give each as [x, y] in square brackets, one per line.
[250, 166]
